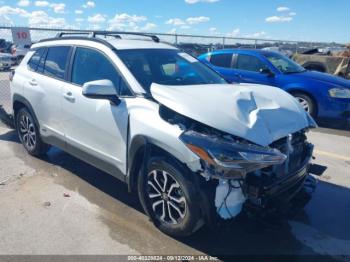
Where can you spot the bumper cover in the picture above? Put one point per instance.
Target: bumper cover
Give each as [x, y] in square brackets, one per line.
[282, 193]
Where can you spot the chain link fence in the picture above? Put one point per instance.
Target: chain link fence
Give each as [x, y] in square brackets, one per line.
[193, 44]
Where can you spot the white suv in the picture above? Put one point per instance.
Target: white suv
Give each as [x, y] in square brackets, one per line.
[196, 149]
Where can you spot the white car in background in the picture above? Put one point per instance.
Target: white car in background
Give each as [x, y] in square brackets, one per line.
[19, 51]
[6, 61]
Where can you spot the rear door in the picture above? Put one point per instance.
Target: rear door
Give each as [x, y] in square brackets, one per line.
[248, 70]
[44, 89]
[222, 63]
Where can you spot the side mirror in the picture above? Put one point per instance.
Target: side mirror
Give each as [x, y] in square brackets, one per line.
[101, 89]
[267, 71]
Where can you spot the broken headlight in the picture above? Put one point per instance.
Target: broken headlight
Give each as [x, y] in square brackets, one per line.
[223, 155]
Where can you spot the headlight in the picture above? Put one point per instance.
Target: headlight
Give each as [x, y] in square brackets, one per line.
[242, 157]
[339, 92]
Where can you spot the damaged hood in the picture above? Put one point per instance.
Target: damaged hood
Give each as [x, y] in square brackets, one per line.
[258, 113]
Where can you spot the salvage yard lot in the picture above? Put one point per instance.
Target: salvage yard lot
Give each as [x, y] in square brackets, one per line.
[60, 205]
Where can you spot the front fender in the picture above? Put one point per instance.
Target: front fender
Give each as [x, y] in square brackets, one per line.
[148, 128]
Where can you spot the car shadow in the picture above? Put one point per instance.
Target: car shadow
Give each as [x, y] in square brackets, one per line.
[237, 239]
[335, 124]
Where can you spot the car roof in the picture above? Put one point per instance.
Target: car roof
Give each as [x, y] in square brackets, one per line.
[119, 44]
[246, 51]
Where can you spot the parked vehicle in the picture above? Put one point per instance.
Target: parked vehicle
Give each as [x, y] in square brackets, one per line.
[195, 148]
[5, 61]
[332, 64]
[4, 46]
[322, 95]
[19, 51]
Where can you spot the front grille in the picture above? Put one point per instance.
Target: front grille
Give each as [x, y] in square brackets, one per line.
[295, 148]
[273, 181]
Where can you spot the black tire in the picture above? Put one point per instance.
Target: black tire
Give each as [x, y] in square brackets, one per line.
[28, 133]
[191, 221]
[304, 99]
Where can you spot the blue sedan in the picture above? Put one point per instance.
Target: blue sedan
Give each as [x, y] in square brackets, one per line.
[322, 95]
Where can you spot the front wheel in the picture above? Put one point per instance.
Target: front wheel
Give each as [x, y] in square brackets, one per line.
[169, 198]
[306, 102]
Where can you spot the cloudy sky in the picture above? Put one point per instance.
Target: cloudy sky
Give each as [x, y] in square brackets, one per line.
[311, 20]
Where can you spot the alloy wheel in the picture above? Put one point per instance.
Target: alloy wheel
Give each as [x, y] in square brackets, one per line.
[166, 196]
[304, 103]
[27, 132]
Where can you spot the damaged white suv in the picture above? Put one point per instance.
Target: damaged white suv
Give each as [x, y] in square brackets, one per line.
[196, 149]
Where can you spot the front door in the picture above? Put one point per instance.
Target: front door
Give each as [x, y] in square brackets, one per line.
[248, 69]
[95, 129]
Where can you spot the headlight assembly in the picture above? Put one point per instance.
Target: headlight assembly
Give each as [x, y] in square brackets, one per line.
[339, 92]
[240, 157]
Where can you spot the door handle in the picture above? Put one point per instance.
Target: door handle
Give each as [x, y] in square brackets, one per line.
[33, 82]
[69, 96]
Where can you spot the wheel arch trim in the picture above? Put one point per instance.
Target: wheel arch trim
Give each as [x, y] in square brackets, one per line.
[20, 99]
[142, 148]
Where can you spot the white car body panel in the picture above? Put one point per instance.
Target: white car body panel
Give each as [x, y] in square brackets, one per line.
[44, 94]
[146, 121]
[260, 114]
[95, 126]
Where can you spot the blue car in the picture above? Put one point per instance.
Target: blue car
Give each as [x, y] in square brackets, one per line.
[322, 95]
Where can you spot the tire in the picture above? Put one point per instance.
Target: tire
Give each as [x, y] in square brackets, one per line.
[179, 193]
[307, 103]
[28, 133]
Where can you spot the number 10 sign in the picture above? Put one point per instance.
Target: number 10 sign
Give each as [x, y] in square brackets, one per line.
[21, 36]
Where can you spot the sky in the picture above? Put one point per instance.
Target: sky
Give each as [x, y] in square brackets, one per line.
[301, 20]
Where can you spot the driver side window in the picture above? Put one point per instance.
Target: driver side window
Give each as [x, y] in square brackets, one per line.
[90, 65]
[249, 63]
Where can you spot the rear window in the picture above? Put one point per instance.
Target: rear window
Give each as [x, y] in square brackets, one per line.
[56, 60]
[34, 60]
[221, 60]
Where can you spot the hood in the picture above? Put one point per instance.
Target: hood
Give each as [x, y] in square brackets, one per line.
[260, 114]
[327, 78]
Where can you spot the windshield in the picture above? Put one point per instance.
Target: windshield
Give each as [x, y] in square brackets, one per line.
[284, 64]
[167, 67]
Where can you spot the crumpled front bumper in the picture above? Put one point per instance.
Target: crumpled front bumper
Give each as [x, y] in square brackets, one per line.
[254, 195]
[284, 194]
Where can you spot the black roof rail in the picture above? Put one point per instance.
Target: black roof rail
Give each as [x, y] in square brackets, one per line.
[93, 34]
[61, 34]
[98, 40]
[153, 37]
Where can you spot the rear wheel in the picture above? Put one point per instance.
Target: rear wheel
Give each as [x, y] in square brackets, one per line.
[28, 133]
[306, 102]
[169, 198]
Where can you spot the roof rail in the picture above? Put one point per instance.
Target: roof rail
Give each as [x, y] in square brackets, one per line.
[93, 34]
[61, 34]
